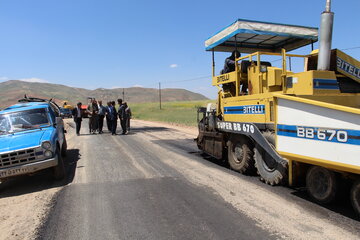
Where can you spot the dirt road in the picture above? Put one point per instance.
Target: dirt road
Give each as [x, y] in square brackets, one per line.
[154, 184]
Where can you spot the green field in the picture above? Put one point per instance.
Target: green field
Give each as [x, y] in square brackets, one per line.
[183, 113]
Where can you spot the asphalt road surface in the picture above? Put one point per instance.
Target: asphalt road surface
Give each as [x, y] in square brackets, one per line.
[154, 184]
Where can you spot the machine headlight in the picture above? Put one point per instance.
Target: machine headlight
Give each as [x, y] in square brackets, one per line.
[48, 153]
[46, 145]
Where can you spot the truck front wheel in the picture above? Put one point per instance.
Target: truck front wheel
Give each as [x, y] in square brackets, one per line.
[59, 170]
[321, 184]
[64, 148]
[240, 155]
[355, 196]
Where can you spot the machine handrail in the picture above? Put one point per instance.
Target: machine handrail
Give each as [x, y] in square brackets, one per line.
[283, 55]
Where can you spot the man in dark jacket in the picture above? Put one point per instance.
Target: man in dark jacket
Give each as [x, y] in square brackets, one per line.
[102, 112]
[108, 120]
[76, 112]
[122, 116]
[229, 65]
[113, 118]
[127, 118]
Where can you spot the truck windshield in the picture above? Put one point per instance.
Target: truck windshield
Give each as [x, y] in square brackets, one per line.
[23, 120]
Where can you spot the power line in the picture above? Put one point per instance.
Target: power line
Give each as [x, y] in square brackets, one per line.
[160, 94]
[208, 76]
[344, 49]
[187, 80]
[184, 80]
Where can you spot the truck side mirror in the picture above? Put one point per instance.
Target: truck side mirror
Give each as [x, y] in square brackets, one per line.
[57, 121]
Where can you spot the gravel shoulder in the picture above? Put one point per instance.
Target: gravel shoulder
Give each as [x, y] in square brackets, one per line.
[191, 131]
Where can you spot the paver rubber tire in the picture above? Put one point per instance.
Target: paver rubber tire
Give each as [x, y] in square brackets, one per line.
[275, 174]
[240, 155]
[355, 196]
[64, 148]
[59, 170]
[321, 184]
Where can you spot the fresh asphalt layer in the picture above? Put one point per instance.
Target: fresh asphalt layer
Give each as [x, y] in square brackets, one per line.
[126, 192]
[155, 184]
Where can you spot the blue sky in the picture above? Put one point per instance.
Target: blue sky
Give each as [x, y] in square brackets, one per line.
[123, 43]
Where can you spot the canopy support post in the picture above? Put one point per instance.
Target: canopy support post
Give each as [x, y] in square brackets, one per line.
[213, 62]
[237, 83]
[283, 74]
[290, 64]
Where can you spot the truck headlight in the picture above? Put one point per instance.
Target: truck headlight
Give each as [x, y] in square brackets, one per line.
[46, 145]
[48, 153]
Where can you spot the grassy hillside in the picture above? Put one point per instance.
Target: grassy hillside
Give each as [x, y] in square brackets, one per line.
[178, 106]
[13, 90]
[183, 112]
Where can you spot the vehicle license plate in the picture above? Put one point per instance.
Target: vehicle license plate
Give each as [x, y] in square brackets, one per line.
[12, 172]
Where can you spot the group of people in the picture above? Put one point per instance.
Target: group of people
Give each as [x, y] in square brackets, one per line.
[97, 112]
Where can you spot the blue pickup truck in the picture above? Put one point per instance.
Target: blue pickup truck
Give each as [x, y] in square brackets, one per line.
[32, 138]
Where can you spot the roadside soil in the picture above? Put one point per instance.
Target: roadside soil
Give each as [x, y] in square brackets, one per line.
[26, 200]
[23, 208]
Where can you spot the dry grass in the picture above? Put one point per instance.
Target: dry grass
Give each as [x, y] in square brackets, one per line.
[173, 112]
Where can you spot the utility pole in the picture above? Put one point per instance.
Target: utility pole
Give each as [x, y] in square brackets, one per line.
[160, 94]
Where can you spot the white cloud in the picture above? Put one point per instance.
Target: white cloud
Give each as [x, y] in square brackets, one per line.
[174, 65]
[34, 80]
[138, 85]
[4, 78]
[115, 87]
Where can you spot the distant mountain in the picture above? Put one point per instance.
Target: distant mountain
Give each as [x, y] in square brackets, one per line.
[11, 91]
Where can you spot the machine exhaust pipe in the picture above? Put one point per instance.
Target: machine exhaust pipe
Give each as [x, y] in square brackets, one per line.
[326, 29]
